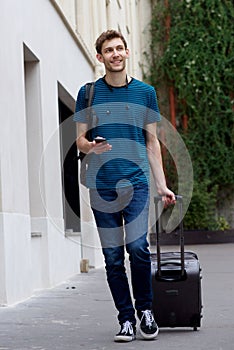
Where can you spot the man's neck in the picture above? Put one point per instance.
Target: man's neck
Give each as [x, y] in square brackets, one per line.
[116, 78]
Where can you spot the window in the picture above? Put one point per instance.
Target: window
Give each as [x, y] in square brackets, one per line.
[69, 162]
[33, 128]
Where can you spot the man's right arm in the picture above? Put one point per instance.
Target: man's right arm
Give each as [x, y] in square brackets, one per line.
[89, 147]
[82, 143]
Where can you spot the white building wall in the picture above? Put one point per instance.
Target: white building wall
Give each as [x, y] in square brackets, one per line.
[47, 51]
[27, 205]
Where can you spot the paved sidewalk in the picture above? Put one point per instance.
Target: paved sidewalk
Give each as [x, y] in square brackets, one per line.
[79, 314]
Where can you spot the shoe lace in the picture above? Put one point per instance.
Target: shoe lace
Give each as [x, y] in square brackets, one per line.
[127, 327]
[149, 319]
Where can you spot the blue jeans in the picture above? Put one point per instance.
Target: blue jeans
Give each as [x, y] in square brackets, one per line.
[122, 220]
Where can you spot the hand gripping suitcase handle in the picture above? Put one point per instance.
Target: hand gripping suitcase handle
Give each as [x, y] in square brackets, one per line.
[179, 199]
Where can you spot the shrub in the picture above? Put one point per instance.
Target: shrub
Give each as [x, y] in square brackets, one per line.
[197, 60]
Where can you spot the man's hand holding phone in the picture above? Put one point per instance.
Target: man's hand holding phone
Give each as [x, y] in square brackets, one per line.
[100, 145]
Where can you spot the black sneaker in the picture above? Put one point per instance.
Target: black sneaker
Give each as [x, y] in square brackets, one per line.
[148, 326]
[127, 332]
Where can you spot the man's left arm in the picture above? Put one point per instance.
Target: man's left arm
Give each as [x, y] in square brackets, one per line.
[155, 160]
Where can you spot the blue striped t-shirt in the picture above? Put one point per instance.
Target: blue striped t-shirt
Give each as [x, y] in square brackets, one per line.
[120, 114]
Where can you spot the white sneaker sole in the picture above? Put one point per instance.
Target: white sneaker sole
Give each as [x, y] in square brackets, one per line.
[149, 336]
[122, 338]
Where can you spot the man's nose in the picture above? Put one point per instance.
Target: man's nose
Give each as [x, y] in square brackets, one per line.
[115, 52]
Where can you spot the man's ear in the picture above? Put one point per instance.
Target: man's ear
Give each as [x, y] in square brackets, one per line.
[99, 57]
[127, 53]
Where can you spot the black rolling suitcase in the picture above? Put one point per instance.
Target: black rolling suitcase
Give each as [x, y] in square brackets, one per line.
[176, 280]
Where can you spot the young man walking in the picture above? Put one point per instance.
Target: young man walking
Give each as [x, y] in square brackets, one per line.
[126, 114]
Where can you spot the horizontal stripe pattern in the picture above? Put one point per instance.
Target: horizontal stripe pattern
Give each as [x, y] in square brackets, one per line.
[121, 114]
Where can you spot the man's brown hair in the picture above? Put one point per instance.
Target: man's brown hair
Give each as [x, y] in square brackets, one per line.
[108, 35]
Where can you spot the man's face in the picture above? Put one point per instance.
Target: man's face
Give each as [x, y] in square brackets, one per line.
[113, 55]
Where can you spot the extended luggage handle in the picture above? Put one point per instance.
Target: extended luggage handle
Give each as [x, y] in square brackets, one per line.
[179, 199]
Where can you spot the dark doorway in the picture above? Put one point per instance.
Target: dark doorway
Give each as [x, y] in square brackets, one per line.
[71, 202]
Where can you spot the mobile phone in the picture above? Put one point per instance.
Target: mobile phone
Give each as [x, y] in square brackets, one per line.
[99, 139]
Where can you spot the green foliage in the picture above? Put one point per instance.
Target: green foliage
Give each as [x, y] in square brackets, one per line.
[202, 209]
[198, 61]
[222, 224]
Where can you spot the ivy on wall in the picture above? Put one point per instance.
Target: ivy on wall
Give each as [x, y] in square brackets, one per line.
[196, 58]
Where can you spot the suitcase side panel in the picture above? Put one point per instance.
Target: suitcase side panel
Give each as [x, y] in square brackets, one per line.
[177, 303]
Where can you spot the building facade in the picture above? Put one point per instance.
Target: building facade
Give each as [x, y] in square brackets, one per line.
[47, 54]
